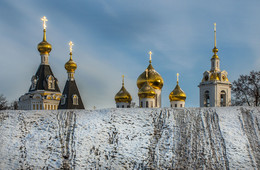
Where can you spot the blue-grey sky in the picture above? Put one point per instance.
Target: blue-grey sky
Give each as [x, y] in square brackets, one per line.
[114, 37]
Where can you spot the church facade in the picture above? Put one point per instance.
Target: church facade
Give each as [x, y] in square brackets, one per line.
[44, 92]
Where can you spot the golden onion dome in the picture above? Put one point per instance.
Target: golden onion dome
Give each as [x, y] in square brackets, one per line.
[214, 76]
[71, 66]
[154, 78]
[123, 96]
[146, 91]
[44, 47]
[177, 94]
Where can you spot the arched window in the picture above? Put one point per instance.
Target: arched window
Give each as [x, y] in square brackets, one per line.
[206, 99]
[75, 99]
[51, 82]
[147, 104]
[123, 106]
[222, 98]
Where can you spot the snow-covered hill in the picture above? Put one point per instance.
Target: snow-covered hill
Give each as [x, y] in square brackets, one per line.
[218, 138]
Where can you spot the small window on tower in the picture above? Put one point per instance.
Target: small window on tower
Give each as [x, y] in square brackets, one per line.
[51, 82]
[206, 99]
[223, 98]
[75, 99]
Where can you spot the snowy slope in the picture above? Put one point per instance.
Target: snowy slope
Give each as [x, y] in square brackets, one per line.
[200, 138]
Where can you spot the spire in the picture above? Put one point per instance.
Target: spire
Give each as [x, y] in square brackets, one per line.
[215, 37]
[215, 50]
[150, 58]
[178, 78]
[123, 81]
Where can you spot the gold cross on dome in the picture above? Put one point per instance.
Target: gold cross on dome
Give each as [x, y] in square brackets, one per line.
[44, 19]
[150, 53]
[71, 44]
[178, 77]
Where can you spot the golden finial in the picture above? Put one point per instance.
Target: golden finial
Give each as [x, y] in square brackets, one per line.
[150, 59]
[44, 19]
[215, 37]
[123, 81]
[178, 77]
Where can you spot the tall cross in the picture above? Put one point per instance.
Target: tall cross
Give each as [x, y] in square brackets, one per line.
[215, 37]
[123, 81]
[150, 59]
[71, 44]
[178, 77]
[44, 19]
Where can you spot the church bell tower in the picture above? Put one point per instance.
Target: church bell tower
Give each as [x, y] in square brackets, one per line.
[215, 88]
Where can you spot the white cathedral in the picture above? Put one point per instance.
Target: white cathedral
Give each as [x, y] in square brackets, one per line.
[44, 92]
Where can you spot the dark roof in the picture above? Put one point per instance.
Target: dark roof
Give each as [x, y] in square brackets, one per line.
[42, 84]
[69, 90]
